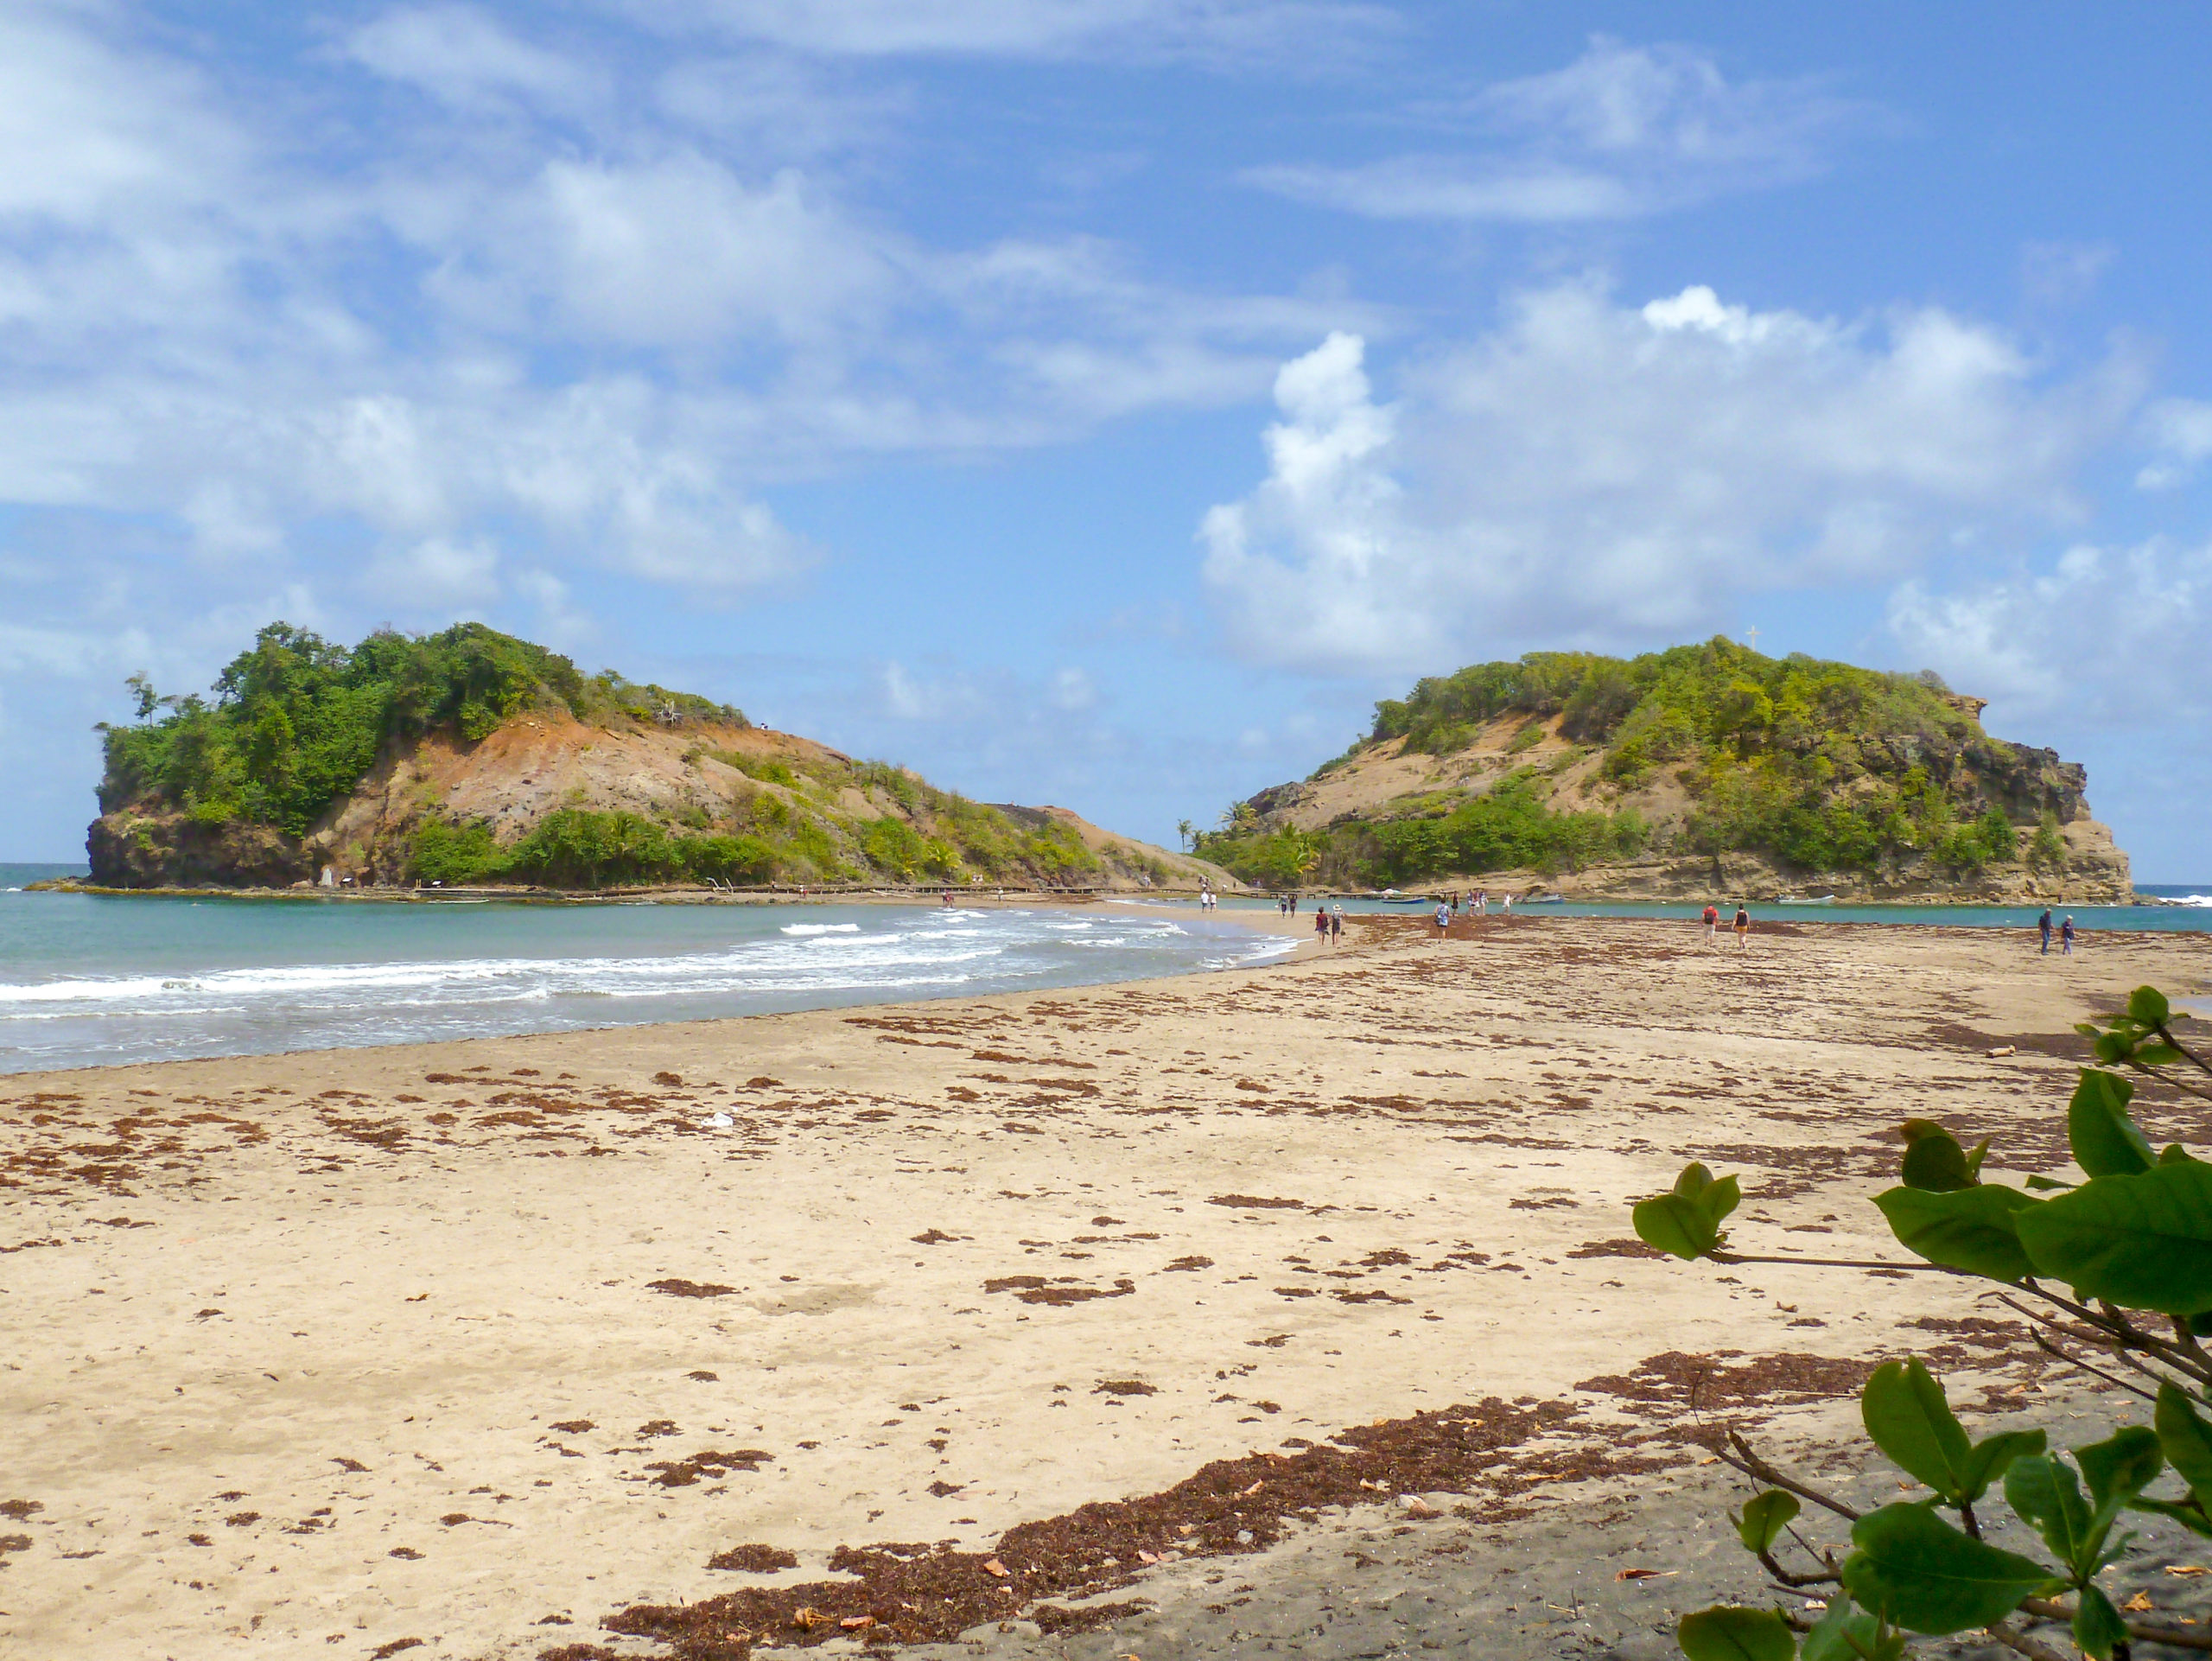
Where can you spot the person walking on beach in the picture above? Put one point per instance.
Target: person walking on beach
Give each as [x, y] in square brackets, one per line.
[1455, 904]
[2066, 937]
[1743, 927]
[1443, 919]
[2043, 923]
[1337, 924]
[1321, 925]
[1712, 925]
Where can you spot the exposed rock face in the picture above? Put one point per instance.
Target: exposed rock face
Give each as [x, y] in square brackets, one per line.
[153, 850]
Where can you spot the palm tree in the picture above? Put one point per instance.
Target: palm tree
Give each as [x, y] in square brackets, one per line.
[1183, 829]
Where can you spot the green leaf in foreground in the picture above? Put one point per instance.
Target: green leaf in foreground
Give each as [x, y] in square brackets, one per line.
[1907, 1415]
[1764, 1516]
[2105, 1140]
[1675, 1225]
[1994, 1456]
[1849, 1634]
[1934, 1158]
[1972, 1228]
[2148, 1005]
[2185, 1439]
[1685, 1222]
[2121, 1466]
[2143, 1242]
[2044, 1494]
[1927, 1577]
[1731, 1634]
[2097, 1625]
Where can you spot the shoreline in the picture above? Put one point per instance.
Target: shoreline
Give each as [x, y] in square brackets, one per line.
[855, 993]
[480, 1342]
[925, 896]
[1296, 928]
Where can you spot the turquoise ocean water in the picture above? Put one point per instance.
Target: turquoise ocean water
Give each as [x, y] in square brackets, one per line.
[88, 979]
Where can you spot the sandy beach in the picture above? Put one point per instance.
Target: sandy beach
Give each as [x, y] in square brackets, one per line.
[459, 1350]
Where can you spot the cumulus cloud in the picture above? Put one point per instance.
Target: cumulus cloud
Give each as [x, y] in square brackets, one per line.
[1596, 472]
[603, 340]
[1621, 132]
[2105, 636]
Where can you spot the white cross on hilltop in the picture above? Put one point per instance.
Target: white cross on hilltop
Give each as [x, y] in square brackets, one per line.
[1752, 635]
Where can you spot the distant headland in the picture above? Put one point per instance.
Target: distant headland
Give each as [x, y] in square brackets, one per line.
[472, 758]
[1698, 771]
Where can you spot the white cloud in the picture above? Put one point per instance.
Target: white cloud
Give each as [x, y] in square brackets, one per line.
[1595, 472]
[607, 343]
[770, 104]
[2180, 431]
[1621, 132]
[2105, 637]
[909, 697]
[1072, 689]
[435, 575]
[85, 125]
[1228, 32]
[558, 622]
[680, 251]
[2060, 273]
[462, 56]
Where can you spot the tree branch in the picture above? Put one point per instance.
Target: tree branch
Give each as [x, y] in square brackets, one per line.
[2051, 1349]
[1720, 1257]
[2012, 1639]
[1748, 1461]
[2123, 1333]
[2149, 1631]
[1828, 1577]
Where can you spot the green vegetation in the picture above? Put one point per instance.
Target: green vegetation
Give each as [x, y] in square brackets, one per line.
[298, 721]
[575, 848]
[2132, 1245]
[1823, 765]
[777, 836]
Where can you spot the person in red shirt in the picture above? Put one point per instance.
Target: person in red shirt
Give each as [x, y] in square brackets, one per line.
[1712, 924]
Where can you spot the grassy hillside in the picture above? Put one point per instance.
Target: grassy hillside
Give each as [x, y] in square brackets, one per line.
[1563, 759]
[429, 759]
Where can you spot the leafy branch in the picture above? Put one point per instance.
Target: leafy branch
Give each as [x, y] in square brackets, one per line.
[2133, 1244]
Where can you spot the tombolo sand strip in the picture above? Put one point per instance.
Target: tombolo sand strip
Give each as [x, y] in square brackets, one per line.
[491, 1341]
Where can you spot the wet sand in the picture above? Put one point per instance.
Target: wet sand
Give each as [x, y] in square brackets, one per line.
[477, 1344]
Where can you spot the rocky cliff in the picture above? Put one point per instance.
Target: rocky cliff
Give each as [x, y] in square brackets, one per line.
[471, 759]
[1698, 771]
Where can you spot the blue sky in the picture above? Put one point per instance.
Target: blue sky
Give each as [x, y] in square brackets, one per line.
[1102, 401]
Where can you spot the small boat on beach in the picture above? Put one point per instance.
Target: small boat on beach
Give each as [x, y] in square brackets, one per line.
[1814, 900]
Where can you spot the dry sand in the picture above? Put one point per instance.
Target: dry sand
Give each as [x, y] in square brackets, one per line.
[317, 1354]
